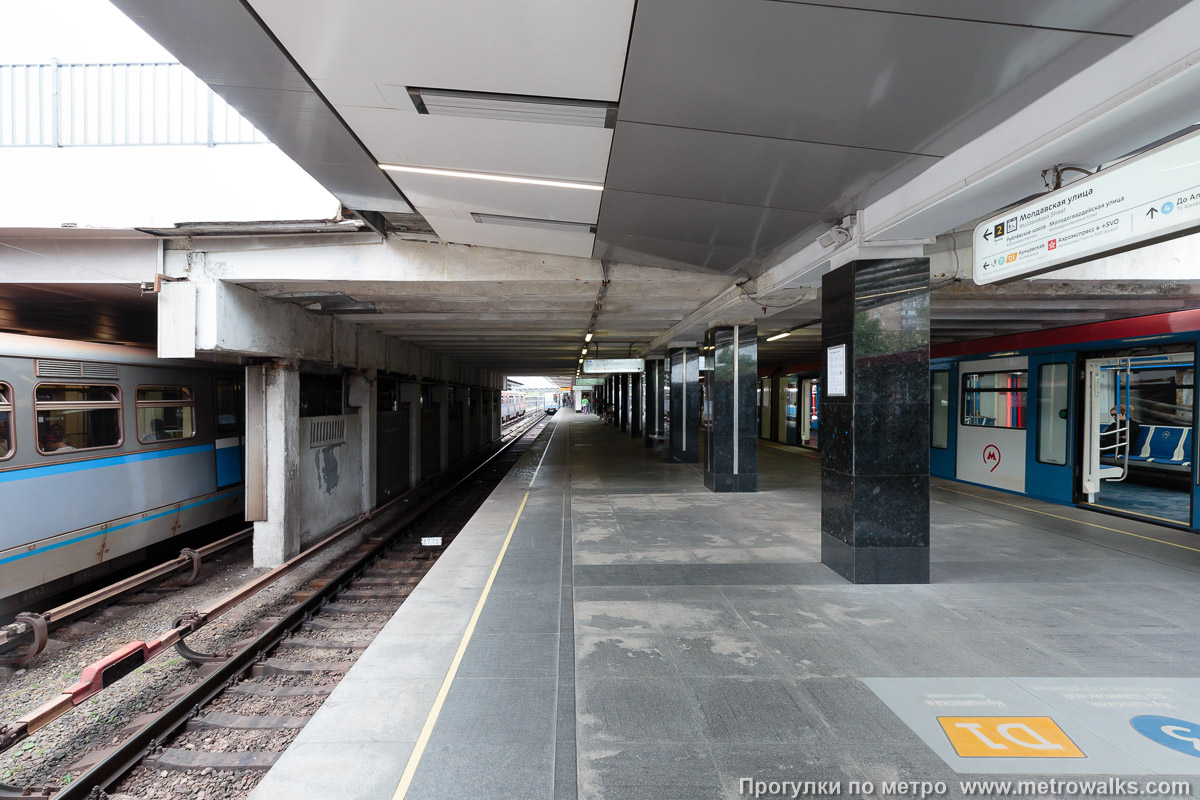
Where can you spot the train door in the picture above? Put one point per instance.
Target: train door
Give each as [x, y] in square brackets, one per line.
[810, 412]
[230, 438]
[990, 433]
[1138, 438]
[942, 401]
[1049, 460]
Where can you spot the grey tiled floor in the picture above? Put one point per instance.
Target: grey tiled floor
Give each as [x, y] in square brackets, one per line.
[646, 638]
[711, 645]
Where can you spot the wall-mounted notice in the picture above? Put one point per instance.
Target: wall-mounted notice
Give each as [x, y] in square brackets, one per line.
[1153, 195]
[836, 378]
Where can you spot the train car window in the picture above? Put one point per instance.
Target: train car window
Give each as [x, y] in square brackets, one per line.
[994, 399]
[229, 407]
[1053, 391]
[7, 445]
[74, 417]
[165, 413]
[939, 411]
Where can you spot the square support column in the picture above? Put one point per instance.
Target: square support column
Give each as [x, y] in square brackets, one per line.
[277, 538]
[684, 447]
[623, 392]
[363, 396]
[410, 393]
[653, 402]
[635, 405]
[731, 440]
[441, 397]
[875, 421]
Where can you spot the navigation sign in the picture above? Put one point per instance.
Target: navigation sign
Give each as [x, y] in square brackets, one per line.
[1151, 196]
[589, 381]
[836, 367]
[614, 365]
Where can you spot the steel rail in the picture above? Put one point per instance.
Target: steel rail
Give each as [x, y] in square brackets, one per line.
[126, 756]
[111, 668]
[35, 623]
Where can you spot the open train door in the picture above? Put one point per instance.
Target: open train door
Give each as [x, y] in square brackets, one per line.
[1137, 449]
[1049, 455]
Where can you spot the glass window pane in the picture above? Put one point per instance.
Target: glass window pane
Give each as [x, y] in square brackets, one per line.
[939, 412]
[994, 399]
[6, 443]
[69, 393]
[163, 423]
[229, 408]
[63, 430]
[164, 394]
[1052, 407]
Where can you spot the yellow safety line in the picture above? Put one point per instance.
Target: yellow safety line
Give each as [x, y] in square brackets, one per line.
[414, 758]
[1069, 519]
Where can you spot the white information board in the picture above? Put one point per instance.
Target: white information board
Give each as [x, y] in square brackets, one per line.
[614, 365]
[1152, 195]
[836, 378]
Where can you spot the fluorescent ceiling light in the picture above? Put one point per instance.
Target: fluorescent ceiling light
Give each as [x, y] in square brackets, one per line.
[491, 176]
[533, 222]
[588, 336]
[585, 351]
[513, 107]
[779, 336]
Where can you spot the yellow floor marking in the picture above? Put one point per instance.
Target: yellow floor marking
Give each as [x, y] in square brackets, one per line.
[1069, 519]
[1134, 513]
[410, 769]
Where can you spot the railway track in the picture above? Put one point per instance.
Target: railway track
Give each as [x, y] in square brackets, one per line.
[220, 735]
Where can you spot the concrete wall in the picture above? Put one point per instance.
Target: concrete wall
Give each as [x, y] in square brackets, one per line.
[330, 478]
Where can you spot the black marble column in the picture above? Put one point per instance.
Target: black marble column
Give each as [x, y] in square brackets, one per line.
[623, 401]
[653, 401]
[875, 436]
[635, 405]
[731, 382]
[684, 446]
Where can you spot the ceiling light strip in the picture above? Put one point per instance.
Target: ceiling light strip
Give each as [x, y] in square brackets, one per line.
[490, 176]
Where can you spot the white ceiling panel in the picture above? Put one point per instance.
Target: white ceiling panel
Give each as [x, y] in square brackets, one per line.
[434, 193]
[536, 47]
[402, 136]
[454, 228]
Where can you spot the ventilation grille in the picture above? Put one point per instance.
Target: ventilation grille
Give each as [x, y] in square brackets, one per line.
[53, 368]
[324, 432]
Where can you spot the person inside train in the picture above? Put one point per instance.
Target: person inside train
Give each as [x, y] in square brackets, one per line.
[1123, 425]
[55, 439]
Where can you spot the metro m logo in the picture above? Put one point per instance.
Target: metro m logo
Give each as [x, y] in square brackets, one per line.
[1008, 737]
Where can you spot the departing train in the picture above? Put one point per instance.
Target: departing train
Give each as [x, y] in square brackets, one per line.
[1100, 415]
[104, 451]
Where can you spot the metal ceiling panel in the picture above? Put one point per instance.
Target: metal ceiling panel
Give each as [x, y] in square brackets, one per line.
[223, 43]
[402, 136]
[678, 228]
[1119, 17]
[435, 194]
[747, 170]
[467, 231]
[535, 47]
[850, 77]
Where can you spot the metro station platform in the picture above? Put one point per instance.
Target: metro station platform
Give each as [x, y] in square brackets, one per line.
[607, 628]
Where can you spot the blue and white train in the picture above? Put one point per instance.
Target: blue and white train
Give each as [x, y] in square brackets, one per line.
[1100, 416]
[105, 451]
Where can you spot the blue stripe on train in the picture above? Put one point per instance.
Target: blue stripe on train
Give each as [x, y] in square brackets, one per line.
[97, 463]
[94, 534]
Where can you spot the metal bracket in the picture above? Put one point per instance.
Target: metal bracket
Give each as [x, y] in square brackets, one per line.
[26, 792]
[38, 628]
[188, 552]
[197, 657]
